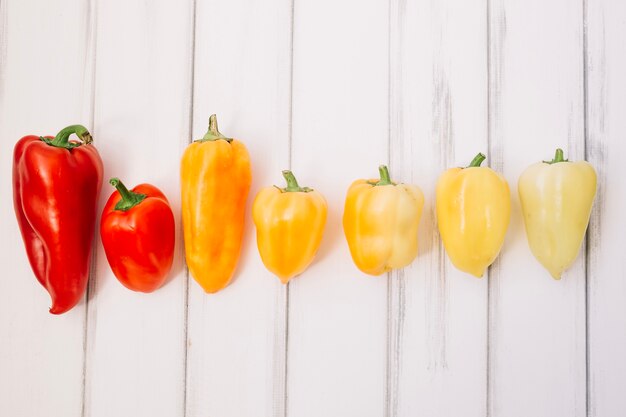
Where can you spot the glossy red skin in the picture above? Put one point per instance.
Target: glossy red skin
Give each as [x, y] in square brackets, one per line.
[139, 242]
[55, 193]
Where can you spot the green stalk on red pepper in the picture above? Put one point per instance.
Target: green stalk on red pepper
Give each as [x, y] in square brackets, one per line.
[56, 183]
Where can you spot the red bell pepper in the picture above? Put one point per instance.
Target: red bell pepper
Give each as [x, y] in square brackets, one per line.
[56, 182]
[138, 234]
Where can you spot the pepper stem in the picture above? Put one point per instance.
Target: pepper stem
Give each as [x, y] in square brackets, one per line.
[384, 176]
[213, 133]
[478, 159]
[129, 198]
[558, 157]
[61, 140]
[292, 184]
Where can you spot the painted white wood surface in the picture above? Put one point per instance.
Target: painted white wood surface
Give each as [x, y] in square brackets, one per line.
[537, 324]
[438, 323]
[338, 315]
[236, 338]
[331, 90]
[606, 134]
[136, 342]
[45, 85]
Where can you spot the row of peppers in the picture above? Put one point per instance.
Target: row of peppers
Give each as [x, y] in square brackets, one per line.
[57, 182]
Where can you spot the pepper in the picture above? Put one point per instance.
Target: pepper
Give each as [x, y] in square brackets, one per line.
[215, 181]
[473, 214]
[380, 221]
[56, 183]
[556, 198]
[290, 224]
[138, 233]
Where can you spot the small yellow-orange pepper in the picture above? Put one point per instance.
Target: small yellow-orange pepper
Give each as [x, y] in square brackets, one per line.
[380, 221]
[289, 223]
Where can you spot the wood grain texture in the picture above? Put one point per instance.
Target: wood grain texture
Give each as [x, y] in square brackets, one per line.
[236, 338]
[45, 85]
[136, 342]
[330, 90]
[338, 315]
[537, 324]
[606, 129]
[438, 323]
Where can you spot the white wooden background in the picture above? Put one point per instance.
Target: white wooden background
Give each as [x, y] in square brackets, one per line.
[330, 88]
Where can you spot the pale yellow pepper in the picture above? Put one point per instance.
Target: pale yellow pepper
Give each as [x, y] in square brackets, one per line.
[556, 198]
[289, 227]
[473, 213]
[380, 221]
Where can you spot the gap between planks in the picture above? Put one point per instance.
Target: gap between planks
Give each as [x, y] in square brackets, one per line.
[192, 73]
[91, 24]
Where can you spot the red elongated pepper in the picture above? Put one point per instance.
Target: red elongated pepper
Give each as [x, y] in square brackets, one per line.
[56, 183]
[138, 233]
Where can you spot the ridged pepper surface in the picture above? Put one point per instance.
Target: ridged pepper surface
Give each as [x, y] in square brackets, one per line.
[289, 223]
[138, 234]
[56, 183]
[380, 221]
[556, 198]
[215, 181]
[473, 214]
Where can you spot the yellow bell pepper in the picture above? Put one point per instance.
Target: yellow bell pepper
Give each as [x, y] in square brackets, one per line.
[290, 223]
[215, 181]
[380, 221]
[556, 198]
[473, 213]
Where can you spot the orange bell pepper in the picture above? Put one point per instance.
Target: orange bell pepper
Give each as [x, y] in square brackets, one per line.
[290, 223]
[215, 181]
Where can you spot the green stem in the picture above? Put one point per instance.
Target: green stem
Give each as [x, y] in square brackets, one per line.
[558, 157]
[62, 139]
[384, 176]
[478, 159]
[129, 198]
[213, 133]
[292, 184]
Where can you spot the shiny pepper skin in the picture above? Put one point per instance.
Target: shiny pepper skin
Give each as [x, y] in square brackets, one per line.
[556, 198]
[138, 234]
[289, 223]
[473, 213]
[56, 183]
[215, 181]
[380, 221]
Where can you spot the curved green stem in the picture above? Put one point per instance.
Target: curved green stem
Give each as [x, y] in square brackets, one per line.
[478, 159]
[292, 184]
[384, 176]
[213, 133]
[558, 157]
[129, 198]
[62, 139]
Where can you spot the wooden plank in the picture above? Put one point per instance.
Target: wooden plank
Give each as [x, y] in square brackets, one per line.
[45, 85]
[537, 324]
[438, 120]
[338, 315]
[606, 100]
[136, 342]
[236, 356]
